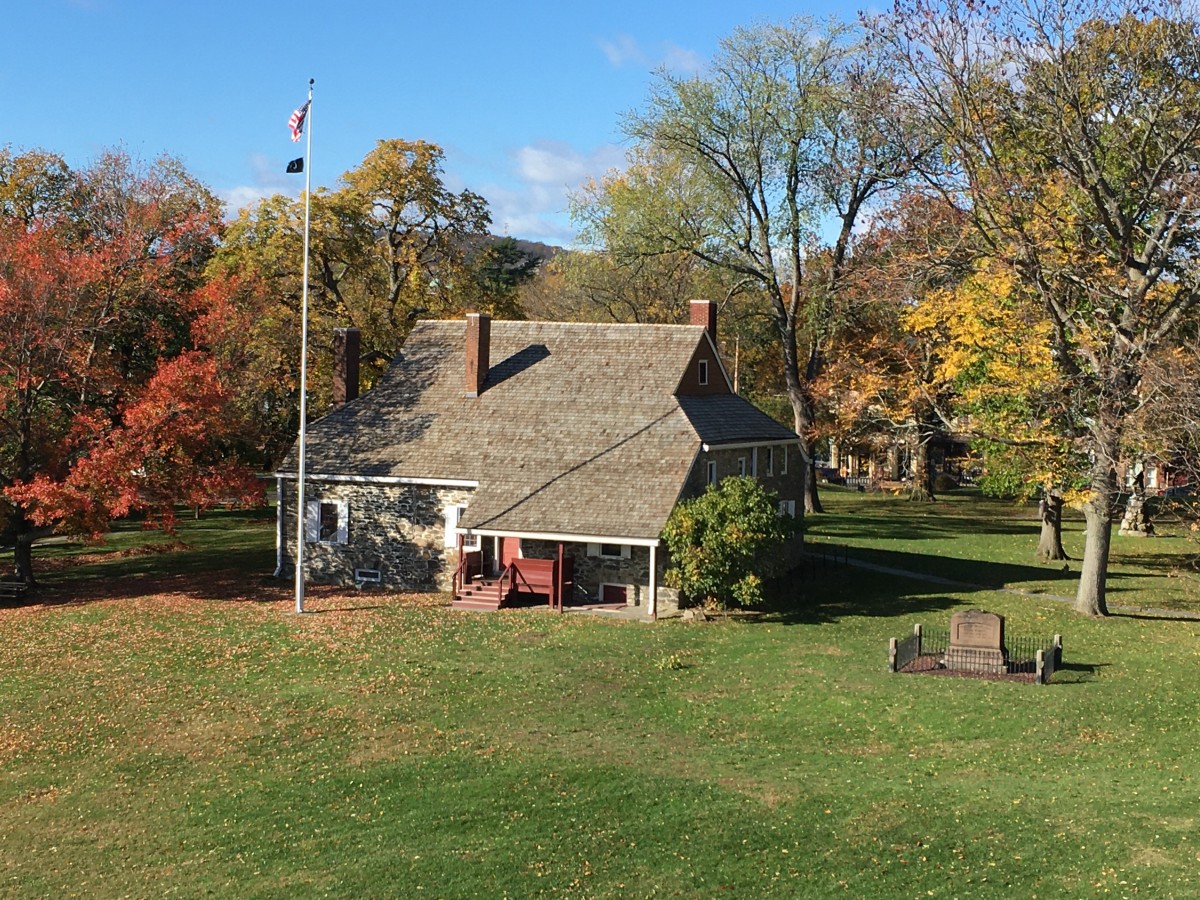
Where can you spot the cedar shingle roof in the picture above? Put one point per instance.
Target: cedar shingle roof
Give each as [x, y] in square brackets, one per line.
[577, 430]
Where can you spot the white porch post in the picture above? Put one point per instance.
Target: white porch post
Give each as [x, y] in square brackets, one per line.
[652, 605]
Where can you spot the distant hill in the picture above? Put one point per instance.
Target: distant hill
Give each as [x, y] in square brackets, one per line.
[542, 252]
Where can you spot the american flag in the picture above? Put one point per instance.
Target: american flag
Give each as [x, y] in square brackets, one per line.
[296, 122]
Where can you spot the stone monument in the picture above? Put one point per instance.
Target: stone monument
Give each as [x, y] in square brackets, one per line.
[977, 643]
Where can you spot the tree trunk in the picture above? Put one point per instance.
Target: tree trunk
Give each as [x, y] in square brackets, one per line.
[922, 475]
[1090, 598]
[812, 502]
[1050, 544]
[23, 549]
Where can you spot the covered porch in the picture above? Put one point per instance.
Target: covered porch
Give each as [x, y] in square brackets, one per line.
[487, 583]
[497, 570]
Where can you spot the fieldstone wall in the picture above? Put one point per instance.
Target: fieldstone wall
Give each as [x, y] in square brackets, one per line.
[592, 571]
[788, 486]
[397, 529]
[785, 485]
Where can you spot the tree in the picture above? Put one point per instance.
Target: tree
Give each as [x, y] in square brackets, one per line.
[499, 269]
[741, 167]
[890, 376]
[726, 541]
[1071, 136]
[100, 303]
[389, 245]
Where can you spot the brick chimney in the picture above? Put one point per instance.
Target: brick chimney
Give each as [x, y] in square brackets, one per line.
[704, 314]
[347, 343]
[479, 338]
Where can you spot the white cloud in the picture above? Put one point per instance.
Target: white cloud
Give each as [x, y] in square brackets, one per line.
[681, 60]
[534, 203]
[624, 50]
[268, 177]
[242, 196]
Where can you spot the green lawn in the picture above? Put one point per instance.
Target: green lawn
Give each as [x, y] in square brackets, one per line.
[186, 733]
[991, 542]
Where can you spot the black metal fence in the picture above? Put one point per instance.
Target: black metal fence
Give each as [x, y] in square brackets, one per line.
[818, 557]
[1021, 655]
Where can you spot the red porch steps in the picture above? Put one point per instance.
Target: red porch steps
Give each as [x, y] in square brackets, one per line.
[482, 594]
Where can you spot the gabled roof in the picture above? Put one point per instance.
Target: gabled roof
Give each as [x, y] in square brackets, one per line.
[577, 430]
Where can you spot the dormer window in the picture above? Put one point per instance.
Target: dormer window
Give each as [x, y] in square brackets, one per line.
[703, 372]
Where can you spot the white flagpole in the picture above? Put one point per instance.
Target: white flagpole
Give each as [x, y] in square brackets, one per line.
[301, 512]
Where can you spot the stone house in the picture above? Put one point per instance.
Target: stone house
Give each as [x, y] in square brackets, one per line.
[502, 458]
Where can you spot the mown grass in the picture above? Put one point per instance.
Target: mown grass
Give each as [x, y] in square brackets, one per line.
[191, 735]
[988, 542]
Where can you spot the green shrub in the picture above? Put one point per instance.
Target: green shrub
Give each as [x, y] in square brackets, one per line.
[726, 542]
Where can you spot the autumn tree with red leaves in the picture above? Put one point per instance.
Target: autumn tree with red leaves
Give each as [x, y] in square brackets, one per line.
[113, 394]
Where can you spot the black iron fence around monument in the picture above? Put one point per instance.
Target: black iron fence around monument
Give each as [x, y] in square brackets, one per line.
[927, 649]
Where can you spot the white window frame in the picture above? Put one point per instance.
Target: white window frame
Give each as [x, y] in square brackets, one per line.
[711, 473]
[770, 461]
[787, 508]
[312, 521]
[623, 551]
[470, 539]
[783, 462]
[742, 466]
[702, 372]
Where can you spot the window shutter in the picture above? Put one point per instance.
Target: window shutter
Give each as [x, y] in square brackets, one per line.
[343, 526]
[451, 513]
[312, 521]
[593, 549]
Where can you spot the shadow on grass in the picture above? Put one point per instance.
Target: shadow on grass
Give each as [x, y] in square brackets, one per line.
[1076, 673]
[919, 528]
[225, 586]
[960, 573]
[888, 583]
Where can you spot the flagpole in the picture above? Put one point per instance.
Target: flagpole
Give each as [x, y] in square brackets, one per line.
[301, 515]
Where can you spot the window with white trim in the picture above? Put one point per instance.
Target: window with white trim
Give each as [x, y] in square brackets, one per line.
[783, 462]
[454, 515]
[770, 460]
[609, 551]
[741, 465]
[712, 471]
[326, 521]
[787, 508]
[703, 372]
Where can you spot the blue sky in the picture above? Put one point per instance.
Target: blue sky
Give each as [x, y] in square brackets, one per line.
[525, 99]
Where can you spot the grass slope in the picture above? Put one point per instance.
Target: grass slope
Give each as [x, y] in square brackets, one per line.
[173, 733]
